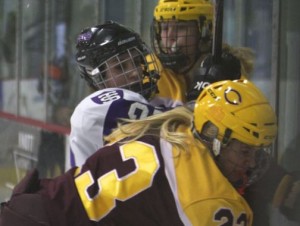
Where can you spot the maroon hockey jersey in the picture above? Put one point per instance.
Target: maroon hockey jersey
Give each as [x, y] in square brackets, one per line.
[136, 183]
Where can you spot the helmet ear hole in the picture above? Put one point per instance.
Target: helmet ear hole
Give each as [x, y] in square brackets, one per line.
[209, 134]
[209, 131]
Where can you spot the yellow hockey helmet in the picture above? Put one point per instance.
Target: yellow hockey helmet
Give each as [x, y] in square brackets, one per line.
[183, 9]
[238, 110]
[199, 11]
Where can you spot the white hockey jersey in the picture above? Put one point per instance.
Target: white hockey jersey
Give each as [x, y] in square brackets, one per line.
[97, 114]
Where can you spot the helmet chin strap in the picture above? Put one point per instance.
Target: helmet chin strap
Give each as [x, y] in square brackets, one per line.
[175, 63]
[216, 145]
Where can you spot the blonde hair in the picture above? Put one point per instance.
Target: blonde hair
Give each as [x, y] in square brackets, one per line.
[162, 125]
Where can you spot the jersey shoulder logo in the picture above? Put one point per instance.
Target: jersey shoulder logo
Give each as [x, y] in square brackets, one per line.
[201, 85]
[107, 96]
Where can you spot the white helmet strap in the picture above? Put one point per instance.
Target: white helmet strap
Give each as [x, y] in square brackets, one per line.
[216, 147]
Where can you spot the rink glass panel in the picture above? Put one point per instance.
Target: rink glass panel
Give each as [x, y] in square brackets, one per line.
[39, 79]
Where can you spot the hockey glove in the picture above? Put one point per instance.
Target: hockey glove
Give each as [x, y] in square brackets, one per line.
[228, 69]
[287, 196]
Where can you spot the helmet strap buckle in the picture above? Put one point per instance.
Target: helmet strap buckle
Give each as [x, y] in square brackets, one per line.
[216, 147]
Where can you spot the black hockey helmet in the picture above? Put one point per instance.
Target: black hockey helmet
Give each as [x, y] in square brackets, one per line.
[105, 48]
